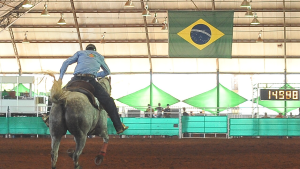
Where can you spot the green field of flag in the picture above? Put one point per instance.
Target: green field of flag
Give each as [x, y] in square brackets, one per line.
[200, 34]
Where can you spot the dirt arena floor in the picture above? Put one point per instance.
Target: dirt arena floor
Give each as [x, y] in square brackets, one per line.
[158, 153]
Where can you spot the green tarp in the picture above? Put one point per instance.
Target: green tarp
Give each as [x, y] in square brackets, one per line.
[200, 34]
[208, 100]
[141, 98]
[21, 89]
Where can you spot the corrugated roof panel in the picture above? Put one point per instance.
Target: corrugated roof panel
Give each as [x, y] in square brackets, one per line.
[159, 48]
[4, 35]
[6, 49]
[118, 49]
[37, 19]
[49, 49]
[292, 49]
[251, 33]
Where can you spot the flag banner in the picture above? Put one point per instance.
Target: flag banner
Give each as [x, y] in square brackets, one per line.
[200, 34]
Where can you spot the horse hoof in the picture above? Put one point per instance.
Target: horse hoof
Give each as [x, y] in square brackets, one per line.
[98, 159]
[78, 167]
[70, 152]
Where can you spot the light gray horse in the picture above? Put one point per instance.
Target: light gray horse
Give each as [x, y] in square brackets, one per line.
[72, 111]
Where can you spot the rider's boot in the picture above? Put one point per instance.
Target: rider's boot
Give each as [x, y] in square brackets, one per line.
[46, 119]
[122, 129]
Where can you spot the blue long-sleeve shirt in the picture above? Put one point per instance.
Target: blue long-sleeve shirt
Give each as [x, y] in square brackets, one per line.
[88, 62]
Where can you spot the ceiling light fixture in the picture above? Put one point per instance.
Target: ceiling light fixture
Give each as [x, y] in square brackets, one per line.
[45, 11]
[27, 4]
[165, 25]
[146, 11]
[259, 40]
[61, 20]
[255, 20]
[25, 40]
[245, 3]
[249, 12]
[155, 20]
[102, 40]
[129, 4]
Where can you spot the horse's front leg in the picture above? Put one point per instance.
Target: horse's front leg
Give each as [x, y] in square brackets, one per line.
[99, 158]
[104, 134]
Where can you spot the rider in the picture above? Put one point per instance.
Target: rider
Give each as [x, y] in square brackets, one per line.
[88, 64]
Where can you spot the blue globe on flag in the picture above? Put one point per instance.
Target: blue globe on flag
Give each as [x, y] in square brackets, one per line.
[200, 34]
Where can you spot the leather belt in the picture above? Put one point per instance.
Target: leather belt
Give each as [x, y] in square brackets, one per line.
[85, 75]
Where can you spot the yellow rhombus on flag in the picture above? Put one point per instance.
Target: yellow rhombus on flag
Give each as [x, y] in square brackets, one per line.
[186, 34]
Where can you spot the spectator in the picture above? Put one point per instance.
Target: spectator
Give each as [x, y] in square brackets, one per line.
[159, 110]
[147, 112]
[167, 109]
[266, 116]
[191, 113]
[184, 112]
[279, 115]
[291, 115]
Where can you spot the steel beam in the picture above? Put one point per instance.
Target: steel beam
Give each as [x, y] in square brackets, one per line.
[150, 41]
[140, 25]
[89, 26]
[76, 24]
[146, 56]
[92, 41]
[164, 10]
[15, 49]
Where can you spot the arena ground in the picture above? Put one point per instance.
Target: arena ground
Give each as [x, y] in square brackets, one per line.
[158, 153]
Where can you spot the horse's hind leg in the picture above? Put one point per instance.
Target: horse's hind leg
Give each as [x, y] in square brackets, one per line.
[80, 143]
[55, 142]
[57, 130]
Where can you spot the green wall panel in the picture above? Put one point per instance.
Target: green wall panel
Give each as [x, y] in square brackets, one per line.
[3, 125]
[264, 127]
[151, 126]
[204, 124]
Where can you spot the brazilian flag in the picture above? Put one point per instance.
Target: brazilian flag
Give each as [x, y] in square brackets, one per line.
[200, 34]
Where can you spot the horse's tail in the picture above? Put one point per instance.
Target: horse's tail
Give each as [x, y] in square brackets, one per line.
[56, 91]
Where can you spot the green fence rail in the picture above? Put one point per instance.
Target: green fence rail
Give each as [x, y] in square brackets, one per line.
[138, 126]
[264, 127]
[152, 126]
[204, 124]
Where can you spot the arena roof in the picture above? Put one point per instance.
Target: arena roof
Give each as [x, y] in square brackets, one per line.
[126, 31]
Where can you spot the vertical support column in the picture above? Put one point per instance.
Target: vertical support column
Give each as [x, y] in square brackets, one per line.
[284, 50]
[76, 24]
[149, 55]
[218, 88]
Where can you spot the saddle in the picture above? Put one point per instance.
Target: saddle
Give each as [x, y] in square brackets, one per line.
[83, 87]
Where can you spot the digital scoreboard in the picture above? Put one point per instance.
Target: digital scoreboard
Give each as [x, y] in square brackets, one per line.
[279, 94]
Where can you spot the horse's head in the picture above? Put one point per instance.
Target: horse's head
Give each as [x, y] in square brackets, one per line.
[105, 83]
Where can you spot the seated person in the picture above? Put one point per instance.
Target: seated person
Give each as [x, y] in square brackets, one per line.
[159, 110]
[279, 115]
[184, 112]
[191, 113]
[167, 109]
[291, 115]
[149, 109]
[266, 116]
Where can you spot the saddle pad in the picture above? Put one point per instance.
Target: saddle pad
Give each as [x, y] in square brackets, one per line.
[86, 92]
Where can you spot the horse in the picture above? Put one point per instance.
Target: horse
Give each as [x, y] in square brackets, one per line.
[72, 111]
